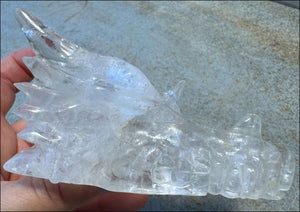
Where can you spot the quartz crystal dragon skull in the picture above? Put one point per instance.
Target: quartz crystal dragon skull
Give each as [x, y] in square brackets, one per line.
[100, 118]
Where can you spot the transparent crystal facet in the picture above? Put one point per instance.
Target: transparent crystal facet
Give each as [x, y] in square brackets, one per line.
[97, 120]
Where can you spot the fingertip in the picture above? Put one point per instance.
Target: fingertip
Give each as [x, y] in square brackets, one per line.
[13, 68]
[22, 144]
[19, 125]
[24, 52]
[18, 55]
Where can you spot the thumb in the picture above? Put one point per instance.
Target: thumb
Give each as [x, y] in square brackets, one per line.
[36, 194]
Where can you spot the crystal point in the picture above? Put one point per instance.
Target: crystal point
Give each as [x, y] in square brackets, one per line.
[250, 124]
[100, 118]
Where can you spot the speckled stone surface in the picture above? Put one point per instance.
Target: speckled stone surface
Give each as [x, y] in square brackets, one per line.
[237, 58]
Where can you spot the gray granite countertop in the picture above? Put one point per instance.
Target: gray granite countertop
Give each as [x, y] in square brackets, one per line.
[237, 58]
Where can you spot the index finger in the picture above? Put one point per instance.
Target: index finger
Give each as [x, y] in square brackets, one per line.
[13, 70]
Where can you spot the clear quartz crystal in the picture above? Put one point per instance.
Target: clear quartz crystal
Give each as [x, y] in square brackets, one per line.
[97, 120]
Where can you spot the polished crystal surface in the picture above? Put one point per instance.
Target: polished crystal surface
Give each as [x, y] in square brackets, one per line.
[97, 120]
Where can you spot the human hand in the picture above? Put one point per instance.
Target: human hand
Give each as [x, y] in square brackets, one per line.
[20, 193]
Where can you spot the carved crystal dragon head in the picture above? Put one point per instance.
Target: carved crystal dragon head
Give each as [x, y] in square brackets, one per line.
[97, 120]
